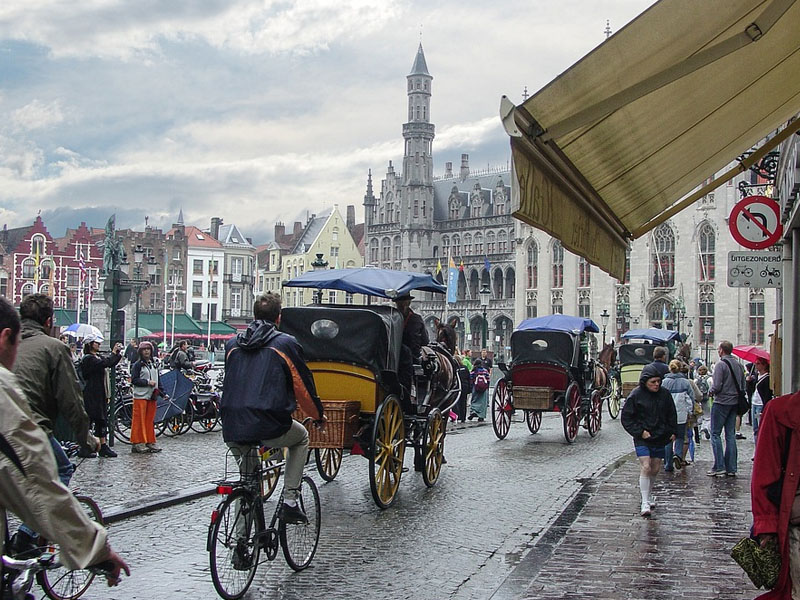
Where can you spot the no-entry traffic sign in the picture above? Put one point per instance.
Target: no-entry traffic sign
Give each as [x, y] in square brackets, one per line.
[755, 222]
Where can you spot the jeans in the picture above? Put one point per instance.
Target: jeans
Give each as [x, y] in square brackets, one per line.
[723, 416]
[678, 443]
[65, 471]
[755, 415]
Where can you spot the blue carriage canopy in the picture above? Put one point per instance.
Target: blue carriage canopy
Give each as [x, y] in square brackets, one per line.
[565, 323]
[384, 283]
[654, 335]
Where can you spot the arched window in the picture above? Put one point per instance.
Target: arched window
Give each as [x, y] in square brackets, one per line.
[467, 244]
[461, 290]
[386, 249]
[37, 245]
[661, 314]
[28, 288]
[511, 283]
[479, 243]
[397, 248]
[455, 207]
[584, 273]
[497, 287]
[756, 316]
[476, 201]
[373, 251]
[532, 269]
[490, 243]
[445, 245]
[389, 208]
[662, 256]
[44, 269]
[558, 266]
[707, 242]
[557, 302]
[28, 268]
[584, 304]
[706, 310]
[474, 285]
[456, 246]
[502, 242]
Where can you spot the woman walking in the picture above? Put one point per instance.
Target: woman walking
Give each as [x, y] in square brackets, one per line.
[95, 392]
[677, 384]
[146, 389]
[480, 391]
[761, 394]
[649, 417]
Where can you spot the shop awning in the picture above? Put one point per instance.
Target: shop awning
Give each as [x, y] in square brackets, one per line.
[605, 150]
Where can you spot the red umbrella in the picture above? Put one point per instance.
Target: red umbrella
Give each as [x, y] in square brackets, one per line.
[750, 353]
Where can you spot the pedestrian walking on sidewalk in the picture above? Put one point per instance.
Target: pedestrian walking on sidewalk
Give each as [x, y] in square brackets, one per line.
[774, 490]
[95, 391]
[679, 388]
[703, 382]
[146, 389]
[727, 380]
[480, 391]
[762, 393]
[649, 417]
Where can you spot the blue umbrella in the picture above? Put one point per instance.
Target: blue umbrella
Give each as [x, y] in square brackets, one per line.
[177, 387]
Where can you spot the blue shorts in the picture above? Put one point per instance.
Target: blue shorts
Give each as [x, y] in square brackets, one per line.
[657, 452]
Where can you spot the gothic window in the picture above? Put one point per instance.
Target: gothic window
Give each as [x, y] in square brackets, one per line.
[461, 288]
[497, 287]
[455, 207]
[662, 256]
[37, 245]
[513, 240]
[627, 276]
[418, 113]
[756, 317]
[473, 284]
[531, 309]
[28, 268]
[478, 243]
[558, 265]
[623, 309]
[532, 269]
[584, 273]
[28, 288]
[661, 313]
[584, 304]
[490, 243]
[456, 246]
[410, 112]
[511, 283]
[557, 302]
[707, 247]
[446, 245]
[706, 310]
[386, 249]
[467, 244]
[389, 208]
[416, 207]
[502, 242]
[373, 251]
[476, 201]
[44, 269]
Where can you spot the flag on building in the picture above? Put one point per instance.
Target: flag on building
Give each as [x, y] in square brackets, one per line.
[81, 263]
[486, 264]
[452, 282]
[438, 267]
[36, 268]
[52, 280]
[461, 266]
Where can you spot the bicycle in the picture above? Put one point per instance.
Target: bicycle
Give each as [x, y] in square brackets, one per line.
[238, 531]
[18, 575]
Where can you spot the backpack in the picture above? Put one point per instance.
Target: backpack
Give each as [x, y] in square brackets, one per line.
[481, 382]
[702, 385]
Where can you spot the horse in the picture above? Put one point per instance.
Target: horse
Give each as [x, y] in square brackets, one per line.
[441, 374]
[606, 358]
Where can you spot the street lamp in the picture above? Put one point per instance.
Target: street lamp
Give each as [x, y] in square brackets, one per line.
[707, 331]
[486, 295]
[680, 312]
[138, 283]
[604, 317]
[318, 265]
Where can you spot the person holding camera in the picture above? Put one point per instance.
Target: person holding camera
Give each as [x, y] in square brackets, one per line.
[95, 392]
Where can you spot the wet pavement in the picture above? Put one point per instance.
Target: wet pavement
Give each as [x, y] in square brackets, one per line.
[525, 517]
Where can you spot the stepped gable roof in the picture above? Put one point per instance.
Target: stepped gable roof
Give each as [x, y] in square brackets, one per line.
[197, 238]
[230, 235]
[312, 229]
[442, 188]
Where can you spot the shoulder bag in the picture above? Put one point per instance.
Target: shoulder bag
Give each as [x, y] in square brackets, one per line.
[742, 403]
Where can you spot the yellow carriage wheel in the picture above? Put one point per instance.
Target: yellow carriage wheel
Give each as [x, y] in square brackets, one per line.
[387, 452]
[433, 447]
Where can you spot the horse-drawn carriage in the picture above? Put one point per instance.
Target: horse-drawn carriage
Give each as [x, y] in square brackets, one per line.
[636, 354]
[354, 352]
[551, 371]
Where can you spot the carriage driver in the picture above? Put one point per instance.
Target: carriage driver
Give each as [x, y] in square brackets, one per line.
[414, 337]
[266, 377]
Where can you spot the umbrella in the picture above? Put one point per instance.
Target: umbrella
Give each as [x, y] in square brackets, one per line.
[82, 330]
[750, 353]
[131, 333]
[177, 387]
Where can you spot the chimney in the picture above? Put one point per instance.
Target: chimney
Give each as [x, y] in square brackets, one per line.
[448, 169]
[280, 231]
[298, 227]
[464, 167]
[351, 216]
[215, 223]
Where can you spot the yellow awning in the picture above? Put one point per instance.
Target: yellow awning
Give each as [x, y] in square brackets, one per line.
[611, 144]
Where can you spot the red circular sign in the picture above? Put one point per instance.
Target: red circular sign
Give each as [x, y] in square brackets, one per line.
[755, 222]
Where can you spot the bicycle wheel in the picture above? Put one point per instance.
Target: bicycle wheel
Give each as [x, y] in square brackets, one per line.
[123, 416]
[61, 583]
[299, 540]
[233, 551]
[206, 417]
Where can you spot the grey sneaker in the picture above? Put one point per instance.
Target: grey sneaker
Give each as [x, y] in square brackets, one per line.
[139, 449]
[152, 448]
[713, 473]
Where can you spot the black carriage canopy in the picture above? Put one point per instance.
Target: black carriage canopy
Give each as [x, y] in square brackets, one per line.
[368, 336]
[557, 347]
[636, 354]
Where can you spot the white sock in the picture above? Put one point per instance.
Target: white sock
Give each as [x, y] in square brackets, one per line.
[645, 483]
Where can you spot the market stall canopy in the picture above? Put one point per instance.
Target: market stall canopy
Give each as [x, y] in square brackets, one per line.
[385, 283]
[612, 146]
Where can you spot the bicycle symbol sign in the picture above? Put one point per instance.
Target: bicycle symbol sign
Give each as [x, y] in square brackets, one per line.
[755, 222]
[755, 269]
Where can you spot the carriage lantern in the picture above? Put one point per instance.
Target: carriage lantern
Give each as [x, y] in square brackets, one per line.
[604, 317]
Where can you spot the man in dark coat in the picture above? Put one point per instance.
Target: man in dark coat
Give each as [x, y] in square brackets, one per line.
[266, 377]
[414, 337]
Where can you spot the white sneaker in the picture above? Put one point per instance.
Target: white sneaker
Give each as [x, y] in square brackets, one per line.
[652, 503]
[645, 509]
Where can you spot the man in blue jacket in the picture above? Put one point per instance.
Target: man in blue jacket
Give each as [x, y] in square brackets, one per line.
[265, 378]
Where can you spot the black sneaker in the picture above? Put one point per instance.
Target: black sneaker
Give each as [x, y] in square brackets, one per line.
[293, 514]
[85, 452]
[107, 452]
[23, 546]
[242, 558]
[740, 436]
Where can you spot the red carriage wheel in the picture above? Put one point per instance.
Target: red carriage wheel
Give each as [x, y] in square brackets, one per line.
[571, 411]
[502, 408]
[595, 416]
[533, 418]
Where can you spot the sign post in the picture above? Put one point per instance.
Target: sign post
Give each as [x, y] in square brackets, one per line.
[755, 222]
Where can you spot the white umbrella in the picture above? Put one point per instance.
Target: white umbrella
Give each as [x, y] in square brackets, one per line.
[82, 330]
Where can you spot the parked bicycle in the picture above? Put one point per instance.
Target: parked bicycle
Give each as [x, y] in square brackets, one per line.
[239, 532]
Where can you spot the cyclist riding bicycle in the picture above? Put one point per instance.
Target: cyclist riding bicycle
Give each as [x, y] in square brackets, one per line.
[265, 378]
[29, 482]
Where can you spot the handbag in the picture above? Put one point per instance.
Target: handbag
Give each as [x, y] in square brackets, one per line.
[742, 403]
[762, 565]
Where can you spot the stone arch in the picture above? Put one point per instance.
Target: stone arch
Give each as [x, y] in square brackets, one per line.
[474, 284]
[497, 283]
[510, 283]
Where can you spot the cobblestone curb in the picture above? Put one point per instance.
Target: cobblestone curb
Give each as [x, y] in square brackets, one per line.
[120, 512]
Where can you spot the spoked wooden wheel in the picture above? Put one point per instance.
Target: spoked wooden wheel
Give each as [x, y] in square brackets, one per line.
[328, 462]
[388, 451]
[613, 397]
[433, 447]
[570, 412]
[594, 419]
[533, 418]
[502, 407]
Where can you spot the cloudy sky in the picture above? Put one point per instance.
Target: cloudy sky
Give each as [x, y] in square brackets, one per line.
[256, 110]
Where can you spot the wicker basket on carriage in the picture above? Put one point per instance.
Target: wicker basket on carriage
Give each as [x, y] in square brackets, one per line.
[627, 388]
[341, 426]
[532, 397]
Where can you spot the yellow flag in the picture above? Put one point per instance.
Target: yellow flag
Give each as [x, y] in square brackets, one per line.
[438, 267]
[51, 290]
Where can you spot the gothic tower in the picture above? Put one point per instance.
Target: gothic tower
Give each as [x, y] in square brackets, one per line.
[418, 135]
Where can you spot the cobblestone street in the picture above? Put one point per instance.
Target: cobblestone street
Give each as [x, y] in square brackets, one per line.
[494, 526]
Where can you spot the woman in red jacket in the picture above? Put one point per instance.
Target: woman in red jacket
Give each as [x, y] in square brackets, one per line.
[778, 444]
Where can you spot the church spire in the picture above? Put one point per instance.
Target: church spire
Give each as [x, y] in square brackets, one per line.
[180, 217]
[420, 66]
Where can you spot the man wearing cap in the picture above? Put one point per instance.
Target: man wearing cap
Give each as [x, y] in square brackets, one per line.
[414, 337]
